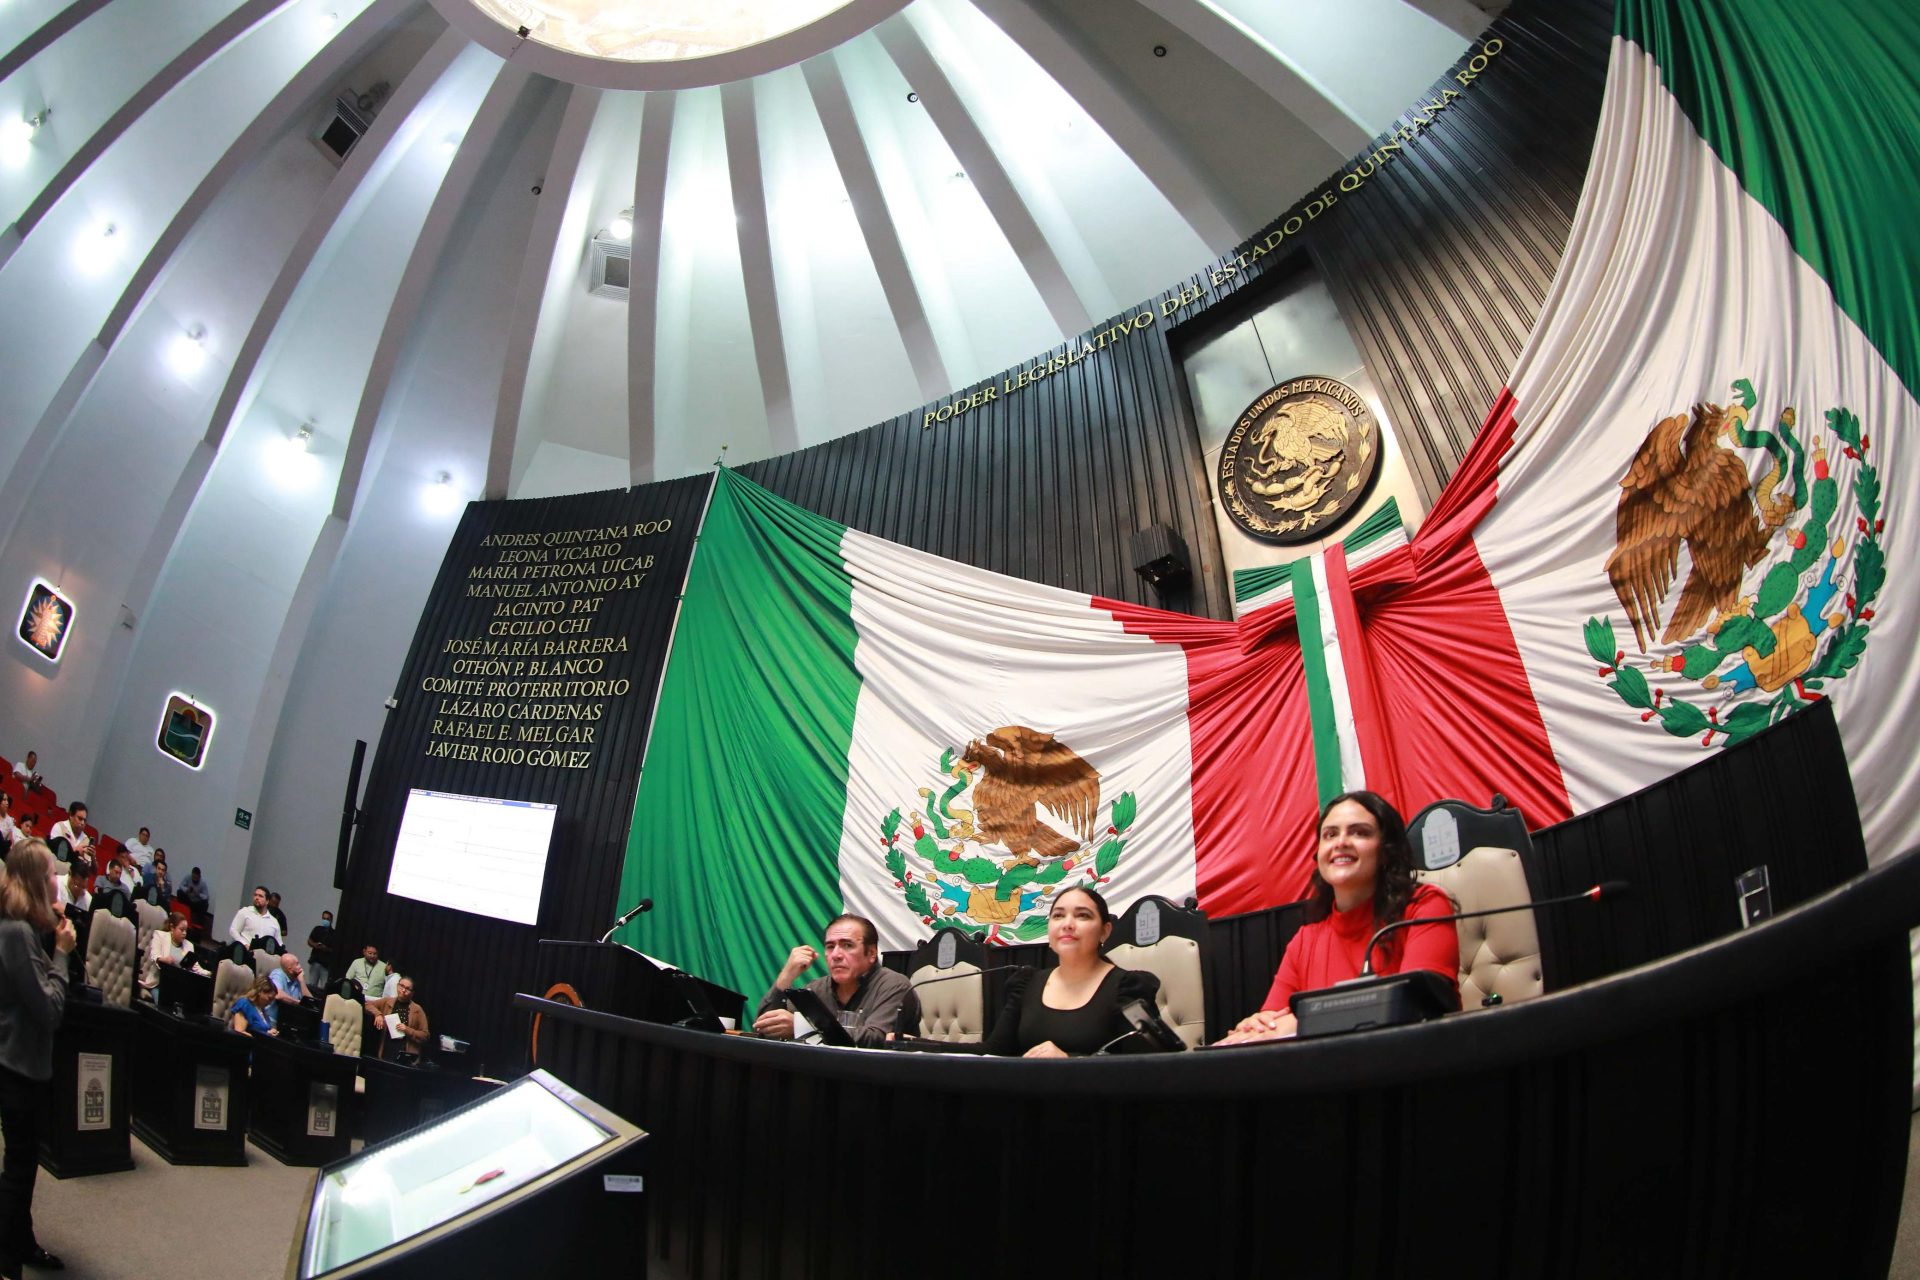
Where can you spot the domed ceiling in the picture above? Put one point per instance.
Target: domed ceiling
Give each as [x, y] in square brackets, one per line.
[284, 283]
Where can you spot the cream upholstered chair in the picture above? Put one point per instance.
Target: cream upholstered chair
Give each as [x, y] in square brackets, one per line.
[230, 982]
[344, 1018]
[148, 920]
[110, 957]
[947, 973]
[1475, 856]
[1169, 942]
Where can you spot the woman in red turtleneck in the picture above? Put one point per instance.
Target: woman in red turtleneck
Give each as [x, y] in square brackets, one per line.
[1362, 879]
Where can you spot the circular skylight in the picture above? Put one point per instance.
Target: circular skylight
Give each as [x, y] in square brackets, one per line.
[648, 44]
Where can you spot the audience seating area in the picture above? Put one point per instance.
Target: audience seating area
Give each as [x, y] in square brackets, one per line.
[115, 933]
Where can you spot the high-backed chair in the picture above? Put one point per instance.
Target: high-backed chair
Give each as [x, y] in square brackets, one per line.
[148, 919]
[1168, 941]
[1475, 855]
[230, 982]
[111, 957]
[947, 973]
[343, 1018]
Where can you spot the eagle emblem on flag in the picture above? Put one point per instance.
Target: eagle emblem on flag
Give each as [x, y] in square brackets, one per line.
[1779, 588]
[1012, 818]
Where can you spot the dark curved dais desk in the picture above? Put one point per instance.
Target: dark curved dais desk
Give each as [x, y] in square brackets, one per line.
[1737, 1109]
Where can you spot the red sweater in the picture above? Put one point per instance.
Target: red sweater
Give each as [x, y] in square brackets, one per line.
[1329, 951]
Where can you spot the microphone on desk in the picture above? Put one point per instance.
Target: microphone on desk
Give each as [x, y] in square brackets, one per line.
[645, 904]
[1605, 891]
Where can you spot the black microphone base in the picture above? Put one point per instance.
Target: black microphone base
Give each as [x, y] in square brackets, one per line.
[1390, 1000]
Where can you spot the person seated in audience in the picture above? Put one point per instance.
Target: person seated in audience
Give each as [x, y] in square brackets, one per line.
[320, 951]
[253, 1013]
[155, 875]
[1074, 1008]
[254, 921]
[117, 877]
[855, 985]
[290, 981]
[1362, 879]
[77, 899]
[140, 849]
[401, 1023]
[167, 946]
[193, 892]
[8, 828]
[28, 772]
[370, 972]
[273, 909]
[73, 829]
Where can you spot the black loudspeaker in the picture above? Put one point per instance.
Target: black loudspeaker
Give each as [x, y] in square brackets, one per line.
[1160, 557]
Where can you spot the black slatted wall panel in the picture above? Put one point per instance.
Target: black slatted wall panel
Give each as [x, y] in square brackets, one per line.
[1442, 260]
[1439, 261]
[467, 967]
[1047, 483]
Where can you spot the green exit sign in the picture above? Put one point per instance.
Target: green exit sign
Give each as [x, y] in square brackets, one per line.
[243, 819]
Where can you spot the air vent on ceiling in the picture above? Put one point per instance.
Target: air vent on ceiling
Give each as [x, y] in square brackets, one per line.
[352, 116]
[611, 269]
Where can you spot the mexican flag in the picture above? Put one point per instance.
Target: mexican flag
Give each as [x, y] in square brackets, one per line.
[849, 724]
[1700, 470]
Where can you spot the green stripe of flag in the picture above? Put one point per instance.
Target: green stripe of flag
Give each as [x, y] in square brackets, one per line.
[1320, 709]
[1838, 82]
[764, 647]
[1385, 522]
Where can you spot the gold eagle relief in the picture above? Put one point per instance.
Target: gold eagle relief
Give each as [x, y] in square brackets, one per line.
[1297, 459]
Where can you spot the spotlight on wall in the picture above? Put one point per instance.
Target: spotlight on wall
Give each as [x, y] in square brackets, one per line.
[17, 133]
[187, 353]
[440, 498]
[290, 458]
[621, 228]
[1160, 556]
[97, 247]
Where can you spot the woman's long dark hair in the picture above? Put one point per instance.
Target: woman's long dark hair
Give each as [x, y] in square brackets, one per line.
[1393, 882]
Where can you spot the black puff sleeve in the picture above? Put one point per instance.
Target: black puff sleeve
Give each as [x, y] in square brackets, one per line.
[1005, 1038]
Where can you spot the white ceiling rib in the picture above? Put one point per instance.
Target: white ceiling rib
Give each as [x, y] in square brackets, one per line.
[38, 38]
[476, 140]
[643, 316]
[189, 60]
[297, 96]
[1270, 69]
[977, 157]
[546, 252]
[877, 226]
[740, 117]
[1133, 124]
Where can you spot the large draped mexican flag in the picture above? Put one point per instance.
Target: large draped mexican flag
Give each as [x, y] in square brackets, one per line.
[1683, 519]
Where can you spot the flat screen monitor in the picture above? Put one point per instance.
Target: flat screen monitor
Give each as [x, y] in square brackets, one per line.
[472, 853]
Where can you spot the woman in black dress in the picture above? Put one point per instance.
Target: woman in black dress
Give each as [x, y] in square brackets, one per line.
[1073, 1008]
[33, 996]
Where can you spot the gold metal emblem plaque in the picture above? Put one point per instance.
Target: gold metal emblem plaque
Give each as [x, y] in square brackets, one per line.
[1298, 458]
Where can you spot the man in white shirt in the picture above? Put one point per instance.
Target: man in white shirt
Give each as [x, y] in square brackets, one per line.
[73, 828]
[254, 921]
[140, 849]
[24, 771]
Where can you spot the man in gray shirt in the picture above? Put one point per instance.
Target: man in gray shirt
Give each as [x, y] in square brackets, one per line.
[855, 984]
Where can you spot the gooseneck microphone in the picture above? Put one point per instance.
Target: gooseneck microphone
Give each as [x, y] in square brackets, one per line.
[1605, 891]
[645, 904]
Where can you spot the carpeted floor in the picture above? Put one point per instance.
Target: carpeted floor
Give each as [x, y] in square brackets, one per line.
[192, 1216]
